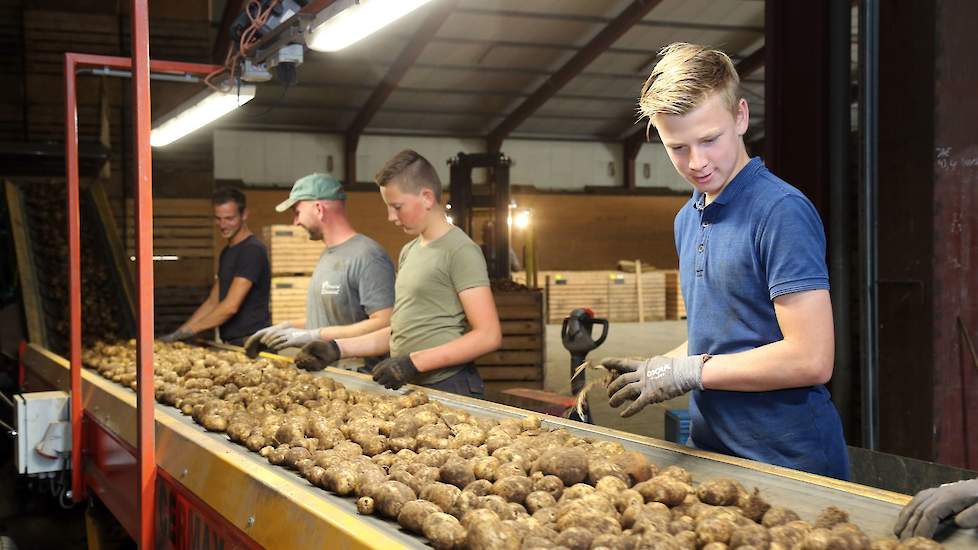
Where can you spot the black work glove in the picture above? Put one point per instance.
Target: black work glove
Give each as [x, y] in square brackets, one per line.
[318, 355]
[394, 372]
[921, 517]
[179, 335]
[652, 380]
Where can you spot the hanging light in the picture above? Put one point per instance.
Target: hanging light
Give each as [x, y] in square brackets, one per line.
[345, 23]
[198, 111]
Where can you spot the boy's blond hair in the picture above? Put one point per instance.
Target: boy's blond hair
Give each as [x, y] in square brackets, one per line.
[684, 77]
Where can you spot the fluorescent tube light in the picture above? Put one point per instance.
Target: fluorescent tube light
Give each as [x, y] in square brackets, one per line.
[362, 18]
[200, 110]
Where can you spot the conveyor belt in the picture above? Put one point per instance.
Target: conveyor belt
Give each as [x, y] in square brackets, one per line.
[209, 464]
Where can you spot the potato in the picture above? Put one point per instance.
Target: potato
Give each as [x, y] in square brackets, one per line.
[686, 540]
[887, 543]
[365, 505]
[831, 516]
[570, 465]
[753, 506]
[509, 469]
[821, 538]
[715, 546]
[551, 484]
[750, 535]
[442, 494]
[485, 467]
[497, 504]
[664, 489]
[457, 472]
[777, 515]
[414, 512]
[390, 496]
[854, 538]
[575, 538]
[719, 492]
[491, 535]
[340, 479]
[539, 499]
[683, 523]
[513, 488]
[626, 498]
[611, 485]
[677, 472]
[714, 530]
[444, 531]
[479, 487]
[787, 535]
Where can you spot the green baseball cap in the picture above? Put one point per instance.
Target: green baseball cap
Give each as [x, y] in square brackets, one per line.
[314, 187]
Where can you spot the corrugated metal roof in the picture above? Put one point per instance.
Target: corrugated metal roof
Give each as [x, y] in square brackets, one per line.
[489, 56]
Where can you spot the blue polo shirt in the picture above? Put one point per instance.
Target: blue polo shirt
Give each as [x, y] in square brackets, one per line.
[759, 239]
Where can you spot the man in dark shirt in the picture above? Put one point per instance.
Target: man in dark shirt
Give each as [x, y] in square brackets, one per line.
[238, 302]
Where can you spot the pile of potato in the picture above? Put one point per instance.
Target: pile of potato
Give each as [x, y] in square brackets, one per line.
[465, 481]
[48, 235]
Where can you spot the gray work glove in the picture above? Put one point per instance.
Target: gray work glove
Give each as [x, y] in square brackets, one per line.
[255, 344]
[652, 380]
[291, 338]
[921, 517]
[179, 335]
[318, 355]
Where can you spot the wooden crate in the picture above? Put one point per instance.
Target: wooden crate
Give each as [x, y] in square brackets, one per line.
[675, 305]
[288, 298]
[290, 251]
[519, 361]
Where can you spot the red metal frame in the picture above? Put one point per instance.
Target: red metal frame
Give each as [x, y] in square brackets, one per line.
[141, 65]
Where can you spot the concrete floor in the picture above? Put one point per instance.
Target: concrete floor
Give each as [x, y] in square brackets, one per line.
[624, 339]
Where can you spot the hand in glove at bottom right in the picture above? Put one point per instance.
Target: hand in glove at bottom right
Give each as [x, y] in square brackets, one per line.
[922, 515]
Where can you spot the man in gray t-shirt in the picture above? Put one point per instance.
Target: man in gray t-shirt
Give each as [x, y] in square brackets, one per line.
[352, 288]
[352, 280]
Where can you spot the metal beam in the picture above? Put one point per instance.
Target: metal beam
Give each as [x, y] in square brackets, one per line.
[556, 16]
[597, 45]
[480, 92]
[389, 83]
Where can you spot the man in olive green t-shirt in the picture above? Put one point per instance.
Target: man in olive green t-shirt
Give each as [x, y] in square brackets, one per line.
[444, 314]
[427, 309]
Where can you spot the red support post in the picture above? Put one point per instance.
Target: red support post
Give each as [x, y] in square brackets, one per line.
[74, 275]
[145, 401]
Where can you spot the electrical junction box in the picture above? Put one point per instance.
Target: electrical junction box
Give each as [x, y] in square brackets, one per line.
[43, 432]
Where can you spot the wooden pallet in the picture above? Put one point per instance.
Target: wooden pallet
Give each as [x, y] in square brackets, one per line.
[288, 297]
[173, 305]
[290, 251]
[519, 361]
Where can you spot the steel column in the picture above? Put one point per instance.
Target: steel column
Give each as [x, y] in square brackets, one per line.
[74, 274]
[145, 399]
[869, 17]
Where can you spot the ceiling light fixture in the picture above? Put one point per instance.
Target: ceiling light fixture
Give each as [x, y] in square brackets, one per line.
[345, 23]
[198, 111]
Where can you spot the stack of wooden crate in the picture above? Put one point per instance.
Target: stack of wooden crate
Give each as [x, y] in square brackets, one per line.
[614, 295]
[293, 257]
[518, 363]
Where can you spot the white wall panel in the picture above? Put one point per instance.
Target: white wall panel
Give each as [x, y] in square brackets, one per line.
[279, 158]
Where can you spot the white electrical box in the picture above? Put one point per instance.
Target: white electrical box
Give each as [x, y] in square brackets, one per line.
[43, 432]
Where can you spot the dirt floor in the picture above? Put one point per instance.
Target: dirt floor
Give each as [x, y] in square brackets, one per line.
[624, 339]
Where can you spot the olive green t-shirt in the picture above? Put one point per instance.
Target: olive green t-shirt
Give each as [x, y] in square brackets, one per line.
[427, 310]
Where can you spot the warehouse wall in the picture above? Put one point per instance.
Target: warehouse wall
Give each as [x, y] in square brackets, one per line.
[279, 158]
[578, 231]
